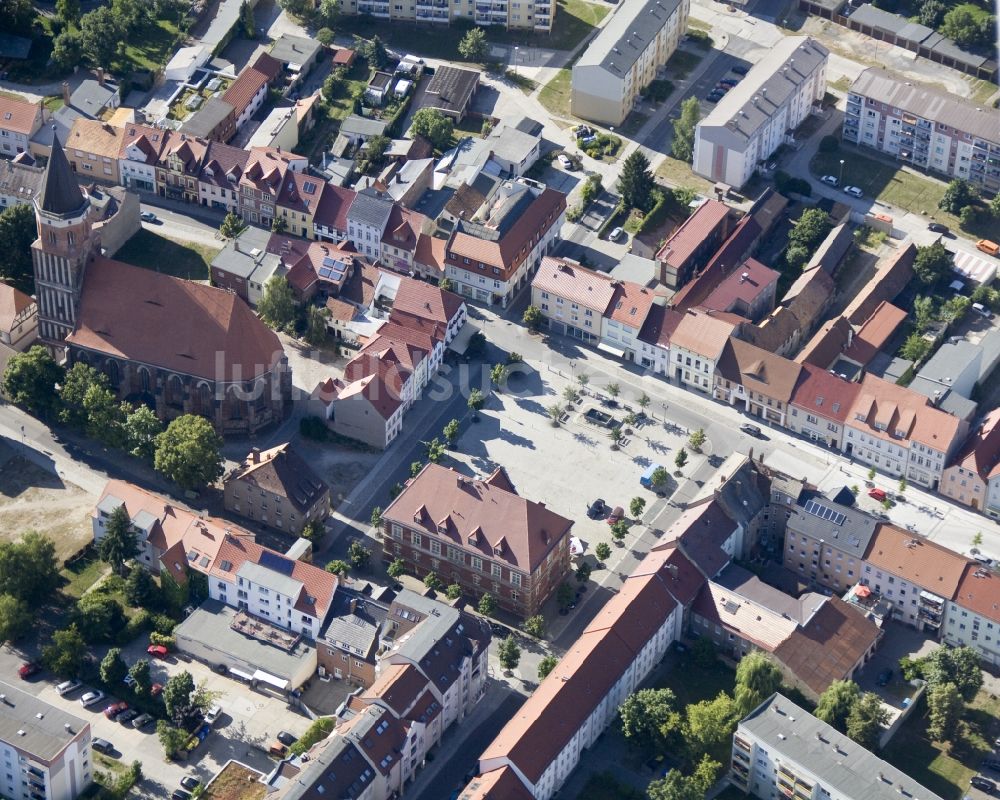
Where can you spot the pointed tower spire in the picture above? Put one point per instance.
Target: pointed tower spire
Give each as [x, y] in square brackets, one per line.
[60, 192]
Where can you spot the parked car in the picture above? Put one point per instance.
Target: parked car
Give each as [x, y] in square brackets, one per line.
[127, 716]
[102, 746]
[565, 162]
[147, 216]
[854, 191]
[180, 794]
[884, 677]
[213, 714]
[989, 247]
[142, 721]
[713, 98]
[222, 669]
[983, 784]
[597, 508]
[112, 711]
[129, 681]
[27, 669]
[722, 87]
[751, 430]
[830, 179]
[287, 738]
[66, 687]
[937, 227]
[157, 651]
[190, 782]
[990, 763]
[982, 310]
[90, 698]
[730, 82]
[739, 69]
[615, 235]
[156, 689]
[617, 513]
[877, 494]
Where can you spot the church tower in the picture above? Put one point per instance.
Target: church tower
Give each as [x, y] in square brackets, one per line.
[60, 254]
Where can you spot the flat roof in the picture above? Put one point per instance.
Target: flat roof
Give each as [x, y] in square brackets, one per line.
[291, 49]
[34, 726]
[207, 118]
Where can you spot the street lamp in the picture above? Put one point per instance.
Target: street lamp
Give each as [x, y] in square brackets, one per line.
[841, 170]
[516, 48]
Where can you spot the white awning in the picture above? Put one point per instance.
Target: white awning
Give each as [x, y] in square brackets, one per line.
[270, 680]
[240, 674]
[607, 348]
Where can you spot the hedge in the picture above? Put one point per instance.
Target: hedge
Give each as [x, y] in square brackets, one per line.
[316, 732]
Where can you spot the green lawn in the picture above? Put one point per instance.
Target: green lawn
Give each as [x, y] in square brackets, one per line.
[681, 63]
[633, 123]
[82, 574]
[151, 48]
[555, 94]
[889, 183]
[982, 91]
[678, 173]
[180, 259]
[574, 20]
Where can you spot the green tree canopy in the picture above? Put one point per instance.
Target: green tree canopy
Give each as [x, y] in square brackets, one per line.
[944, 710]
[434, 126]
[141, 590]
[532, 317]
[864, 723]
[16, 618]
[546, 665]
[141, 675]
[636, 182]
[968, 24]
[757, 678]
[101, 36]
[188, 452]
[30, 380]
[472, 47]
[77, 382]
[141, 428]
[602, 551]
[396, 568]
[681, 458]
[316, 332]
[118, 544]
[710, 723]
[232, 225]
[650, 718]
[509, 653]
[487, 605]
[957, 196]
[810, 230]
[28, 569]
[65, 654]
[676, 786]
[178, 696]
[338, 567]
[959, 666]
[67, 49]
[836, 702]
[359, 555]
[932, 263]
[682, 145]
[277, 303]
[113, 667]
[17, 232]
[99, 617]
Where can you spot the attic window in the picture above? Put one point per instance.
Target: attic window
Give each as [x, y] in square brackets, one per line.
[204, 561]
[498, 550]
[819, 401]
[192, 555]
[226, 566]
[835, 407]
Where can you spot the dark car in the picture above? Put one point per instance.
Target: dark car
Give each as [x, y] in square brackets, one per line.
[730, 82]
[739, 69]
[180, 794]
[983, 784]
[222, 669]
[287, 738]
[937, 227]
[751, 430]
[884, 677]
[713, 98]
[597, 508]
[142, 720]
[190, 783]
[990, 763]
[102, 746]
[127, 716]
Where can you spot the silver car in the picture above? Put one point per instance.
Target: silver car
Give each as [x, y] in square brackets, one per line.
[90, 698]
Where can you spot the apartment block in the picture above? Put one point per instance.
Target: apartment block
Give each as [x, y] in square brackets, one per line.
[973, 476]
[972, 619]
[924, 127]
[44, 751]
[480, 534]
[526, 15]
[781, 750]
[625, 57]
[761, 112]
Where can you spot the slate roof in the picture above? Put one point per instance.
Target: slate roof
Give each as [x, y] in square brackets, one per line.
[283, 472]
[372, 208]
[450, 89]
[625, 36]
[60, 192]
[20, 180]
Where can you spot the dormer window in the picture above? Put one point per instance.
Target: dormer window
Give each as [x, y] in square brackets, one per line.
[498, 550]
[900, 433]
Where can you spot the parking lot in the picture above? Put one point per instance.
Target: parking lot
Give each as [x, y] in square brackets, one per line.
[249, 722]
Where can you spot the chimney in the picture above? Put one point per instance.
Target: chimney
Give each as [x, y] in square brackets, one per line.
[100, 76]
[354, 604]
[255, 455]
[399, 178]
[65, 92]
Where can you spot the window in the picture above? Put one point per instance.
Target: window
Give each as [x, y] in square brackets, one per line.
[495, 570]
[435, 547]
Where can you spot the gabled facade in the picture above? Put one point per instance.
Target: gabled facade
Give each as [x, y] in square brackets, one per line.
[141, 149]
[19, 121]
[973, 476]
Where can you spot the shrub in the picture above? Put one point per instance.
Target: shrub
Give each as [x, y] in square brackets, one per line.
[163, 624]
[139, 622]
[159, 638]
[316, 732]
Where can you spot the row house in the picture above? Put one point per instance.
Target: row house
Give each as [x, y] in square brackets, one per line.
[491, 257]
[19, 121]
[330, 217]
[219, 178]
[761, 381]
[382, 229]
[178, 168]
[917, 576]
[262, 181]
[140, 152]
[297, 202]
[480, 534]
[247, 93]
[654, 338]
[92, 149]
[973, 476]
[690, 247]
[820, 404]
[368, 409]
[972, 619]
[697, 345]
[901, 433]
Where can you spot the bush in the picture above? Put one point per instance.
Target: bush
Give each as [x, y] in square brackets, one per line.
[163, 624]
[140, 622]
[316, 732]
[159, 638]
[786, 184]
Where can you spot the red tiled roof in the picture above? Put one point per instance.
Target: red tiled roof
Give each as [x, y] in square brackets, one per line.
[923, 563]
[701, 531]
[12, 302]
[223, 160]
[876, 331]
[758, 370]
[743, 285]
[497, 784]
[896, 408]
[421, 299]
[733, 251]
[221, 338]
[661, 322]
[334, 203]
[343, 56]
[403, 228]
[586, 287]
[683, 242]
[241, 91]
[148, 139]
[702, 332]
[981, 451]
[979, 591]
[430, 252]
[380, 388]
[630, 304]
[480, 517]
[399, 686]
[823, 394]
[674, 569]
[300, 192]
[18, 115]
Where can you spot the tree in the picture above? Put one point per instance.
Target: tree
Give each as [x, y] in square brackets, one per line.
[932, 13]
[583, 379]
[650, 718]
[277, 303]
[676, 786]
[327, 12]
[932, 263]
[171, 737]
[509, 653]
[864, 723]
[178, 695]
[757, 678]
[232, 226]
[28, 569]
[969, 217]
[113, 667]
[372, 50]
[433, 126]
[635, 183]
[30, 380]
[67, 49]
[359, 555]
[682, 146]
[433, 582]
[570, 395]
[958, 665]
[16, 618]
[812, 227]
[957, 195]
[710, 723]
[376, 517]
[487, 605]
[64, 656]
[697, 440]
[498, 375]
[613, 389]
[923, 312]
[105, 416]
[602, 551]
[618, 531]
[118, 544]
[130, 14]
[616, 436]
[415, 468]
[915, 347]
[534, 626]
[635, 508]
[248, 25]
[279, 225]
[453, 592]
[435, 450]
[954, 308]
[17, 16]
[312, 531]
[17, 232]
[396, 568]
[968, 24]
[325, 36]
[140, 589]
[140, 674]
[476, 400]
[564, 595]
[317, 319]
[338, 567]
[450, 431]
[681, 459]
[532, 317]
[472, 47]
[658, 480]
[796, 256]
[141, 427]
[188, 452]
[944, 710]
[836, 702]
[100, 617]
[555, 412]
[546, 665]
[977, 539]
[583, 572]
[101, 36]
[78, 380]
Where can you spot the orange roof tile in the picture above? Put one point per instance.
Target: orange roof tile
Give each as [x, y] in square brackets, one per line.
[926, 564]
[981, 451]
[979, 591]
[241, 91]
[497, 784]
[895, 408]
[823, 394]
[19, 115]
[12, 302]
[587, 287]
[702, 332]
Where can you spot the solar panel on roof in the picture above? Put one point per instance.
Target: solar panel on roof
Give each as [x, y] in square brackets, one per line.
[325, 273]
[329, 262]
[277, 563]
[824, 512]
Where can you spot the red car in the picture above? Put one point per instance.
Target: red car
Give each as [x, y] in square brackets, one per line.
[157, 650]
[156, 689]
[115, 709]
[877, 494]
[28, 669]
